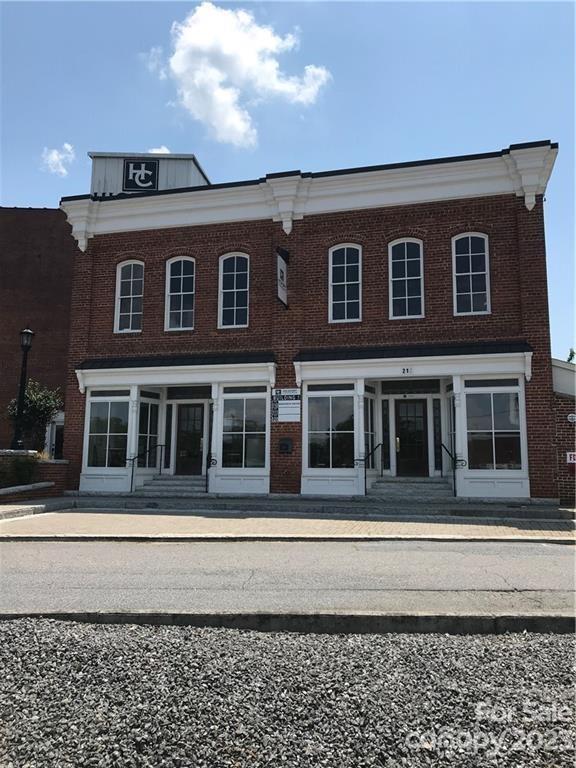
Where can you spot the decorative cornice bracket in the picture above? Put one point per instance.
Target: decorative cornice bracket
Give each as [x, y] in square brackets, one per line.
[530, 170]
[284, 196]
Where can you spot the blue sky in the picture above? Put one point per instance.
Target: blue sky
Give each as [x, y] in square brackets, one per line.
[406, 81]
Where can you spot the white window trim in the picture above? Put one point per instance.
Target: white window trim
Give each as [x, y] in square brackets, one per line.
[167, 295]
[117, 295]
[86, 468]
[487, 311]
[520, 391]
[224, 256]
[391, 245]
[245, 471]
[330, 307]
[307, 395]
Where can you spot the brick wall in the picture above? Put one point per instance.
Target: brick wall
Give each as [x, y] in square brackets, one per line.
[565, 441]
[36, 259]
[518, 293]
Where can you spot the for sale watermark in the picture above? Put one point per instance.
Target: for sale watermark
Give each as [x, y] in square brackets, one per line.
[501, 729]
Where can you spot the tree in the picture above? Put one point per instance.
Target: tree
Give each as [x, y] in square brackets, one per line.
[40, 406]
[571, 355]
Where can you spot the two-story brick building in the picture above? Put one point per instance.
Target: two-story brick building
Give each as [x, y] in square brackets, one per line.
[279, 333]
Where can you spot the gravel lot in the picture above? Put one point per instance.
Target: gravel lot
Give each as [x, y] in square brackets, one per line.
[97, 695]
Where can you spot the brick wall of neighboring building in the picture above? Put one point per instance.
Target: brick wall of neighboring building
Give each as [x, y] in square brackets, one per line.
[518, 299]
[565, 442]
[37, 254]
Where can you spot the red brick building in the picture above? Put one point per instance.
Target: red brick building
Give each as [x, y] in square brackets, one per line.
[278, 334]
[37, 254]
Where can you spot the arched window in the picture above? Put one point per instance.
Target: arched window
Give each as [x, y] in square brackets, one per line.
[180, 286]
[471, 274]
[129, 297]
[234, 282]
[345, 283]
[406, 270]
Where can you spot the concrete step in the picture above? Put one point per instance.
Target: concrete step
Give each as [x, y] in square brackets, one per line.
[198, 503]
[176, 483]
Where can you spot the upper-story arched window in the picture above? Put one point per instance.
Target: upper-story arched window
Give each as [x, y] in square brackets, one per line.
[345, 283]
[406, 270]
[234, 289]
[129, 297]
[471, 274]
[180, 287]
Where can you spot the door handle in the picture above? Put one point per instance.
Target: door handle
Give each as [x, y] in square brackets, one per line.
[397, 445]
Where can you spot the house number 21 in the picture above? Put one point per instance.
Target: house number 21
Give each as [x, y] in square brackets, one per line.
[407, 371]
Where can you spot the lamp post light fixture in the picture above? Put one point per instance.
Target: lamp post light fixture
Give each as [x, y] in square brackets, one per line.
[26, 337]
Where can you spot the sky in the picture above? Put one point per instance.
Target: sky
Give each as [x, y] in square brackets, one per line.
[254, 88]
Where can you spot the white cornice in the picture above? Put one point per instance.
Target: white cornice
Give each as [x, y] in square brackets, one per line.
[176, 375]
[523, 172]
[518, 363]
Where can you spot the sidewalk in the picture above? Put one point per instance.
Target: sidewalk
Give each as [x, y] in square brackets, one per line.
[71, 525]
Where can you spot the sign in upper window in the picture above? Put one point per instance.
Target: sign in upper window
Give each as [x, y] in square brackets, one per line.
[140, 176]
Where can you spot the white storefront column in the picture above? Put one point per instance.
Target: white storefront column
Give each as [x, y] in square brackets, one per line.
[459, 428]
[216, 441]
[132, 438]
[359, 441]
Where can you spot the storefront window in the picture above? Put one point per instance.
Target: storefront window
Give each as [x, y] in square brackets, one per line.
[369, 435]
[493, 421]
[331, 432]
[148, 435]
[108, 434]
[244, 432]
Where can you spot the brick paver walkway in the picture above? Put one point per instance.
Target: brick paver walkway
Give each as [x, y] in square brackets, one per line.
[102, 524]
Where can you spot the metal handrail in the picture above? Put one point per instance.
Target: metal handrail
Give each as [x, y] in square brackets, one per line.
[133, 459]
[456, 462]
[364, 459]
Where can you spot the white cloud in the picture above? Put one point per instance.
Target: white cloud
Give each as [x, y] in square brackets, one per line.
[155, 62]
[223, 61]
[163, 150]
[56, 160]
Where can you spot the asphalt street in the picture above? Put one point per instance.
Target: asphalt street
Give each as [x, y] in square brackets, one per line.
[285, 576]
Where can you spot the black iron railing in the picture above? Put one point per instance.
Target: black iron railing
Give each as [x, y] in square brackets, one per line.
[365, 460]
[144, 455]
[456, 462]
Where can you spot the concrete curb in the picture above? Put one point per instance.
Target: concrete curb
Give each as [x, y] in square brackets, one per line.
[329, 623]
[191, 538]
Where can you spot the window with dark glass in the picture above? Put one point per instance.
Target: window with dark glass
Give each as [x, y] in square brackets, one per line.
[244, 432]
[331, 432]
[148, 435]
[437, 421]
[385, 434]
[107, 434]
[180, 294]
[234, 291]
[493, 422]
[345, 283]
[406, 296]
[369, 431]
[129, 296]
[471, 277]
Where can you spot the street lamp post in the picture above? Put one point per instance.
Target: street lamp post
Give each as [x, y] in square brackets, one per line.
[25, 343]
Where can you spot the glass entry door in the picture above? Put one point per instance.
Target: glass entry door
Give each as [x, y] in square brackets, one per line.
[189, 438]
[411, 438]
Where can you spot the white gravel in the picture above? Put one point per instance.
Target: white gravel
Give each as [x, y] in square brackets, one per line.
[97, 695]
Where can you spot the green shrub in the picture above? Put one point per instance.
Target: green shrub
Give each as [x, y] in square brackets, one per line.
[20, 470]
[40, 406]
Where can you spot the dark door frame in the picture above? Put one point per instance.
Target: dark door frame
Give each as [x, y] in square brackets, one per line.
[425, 466]
[174, 432]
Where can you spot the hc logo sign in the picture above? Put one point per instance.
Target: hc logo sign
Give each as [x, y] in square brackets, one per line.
[140, 175]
